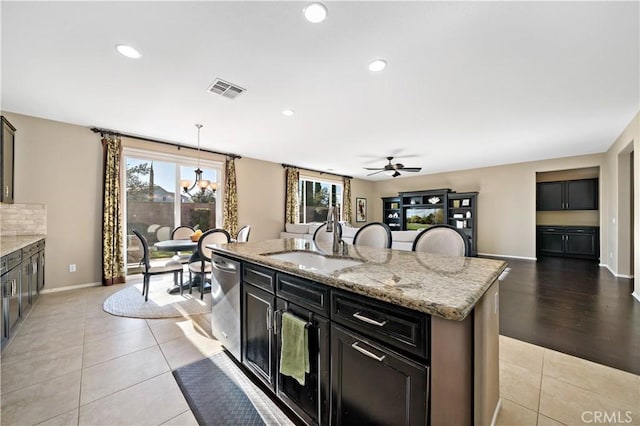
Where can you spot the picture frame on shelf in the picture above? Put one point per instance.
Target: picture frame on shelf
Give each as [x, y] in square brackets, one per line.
[361, 209]
[465, 202]
[456, 204]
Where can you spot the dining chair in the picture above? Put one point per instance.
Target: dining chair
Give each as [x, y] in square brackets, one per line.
[322, 235]
[171, 267]
[163, 233]
[243, 234]
[375, 234]
[442, 239]
[182, 232]
[200, 263]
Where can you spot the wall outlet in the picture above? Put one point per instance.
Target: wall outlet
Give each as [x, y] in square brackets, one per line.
[72, 267]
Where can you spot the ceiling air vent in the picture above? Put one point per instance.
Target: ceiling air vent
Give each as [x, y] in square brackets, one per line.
[224, 88]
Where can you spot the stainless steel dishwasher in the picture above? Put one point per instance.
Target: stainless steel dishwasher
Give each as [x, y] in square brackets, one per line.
[225, 303]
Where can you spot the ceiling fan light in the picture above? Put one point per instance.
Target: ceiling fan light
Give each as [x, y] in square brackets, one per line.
[390, 172]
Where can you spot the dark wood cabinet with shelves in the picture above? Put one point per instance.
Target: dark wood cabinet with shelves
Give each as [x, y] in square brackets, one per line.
[462, 214]
[569, 241]
[421, 209]
[7, 149]
[581, 194]
[391, 213]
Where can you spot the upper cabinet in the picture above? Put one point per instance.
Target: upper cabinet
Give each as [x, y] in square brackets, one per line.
[579, 194]
[7, 145]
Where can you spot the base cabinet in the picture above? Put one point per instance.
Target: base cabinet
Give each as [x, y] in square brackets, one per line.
[568, 241]
[373, 385]
[258, 350]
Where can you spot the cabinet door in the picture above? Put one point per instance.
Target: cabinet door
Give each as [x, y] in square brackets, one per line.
[582, 194]
[311, 401]
[550, 240]
[581, 244]
[549, 196]
[40, 275]
[6, 160]
[374, 385]
[257, 341]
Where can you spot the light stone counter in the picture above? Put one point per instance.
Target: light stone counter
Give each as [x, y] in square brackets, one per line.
[447, 287]
[14, 243]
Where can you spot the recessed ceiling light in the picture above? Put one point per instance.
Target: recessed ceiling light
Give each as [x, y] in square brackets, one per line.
[377, 65]
[315, 12]
[128, 51]
[287, 112]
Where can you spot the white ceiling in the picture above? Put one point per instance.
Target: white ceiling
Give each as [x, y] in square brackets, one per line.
[467, 85]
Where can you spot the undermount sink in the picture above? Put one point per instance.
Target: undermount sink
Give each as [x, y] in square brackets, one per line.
[317, 261]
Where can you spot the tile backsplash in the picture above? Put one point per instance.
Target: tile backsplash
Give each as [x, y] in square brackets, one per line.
[23, 219]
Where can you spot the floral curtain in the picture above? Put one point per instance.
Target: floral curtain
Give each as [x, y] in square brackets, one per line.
[346, 200]
[112, 248]
[291, 208]
[230, 207]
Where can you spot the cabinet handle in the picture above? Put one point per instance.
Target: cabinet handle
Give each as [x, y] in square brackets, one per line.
[269, 318]
[367, 353]
[6, 190]
[275, 321]
[361, 317]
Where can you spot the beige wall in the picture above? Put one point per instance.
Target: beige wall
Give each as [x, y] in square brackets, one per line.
[506, 200]
[60, 165]
[617, 198]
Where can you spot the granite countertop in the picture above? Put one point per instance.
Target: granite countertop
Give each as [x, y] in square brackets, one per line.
[447, 287]
[13, 243]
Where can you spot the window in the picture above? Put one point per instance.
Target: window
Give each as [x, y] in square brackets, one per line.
[155, 204]
[315, 198]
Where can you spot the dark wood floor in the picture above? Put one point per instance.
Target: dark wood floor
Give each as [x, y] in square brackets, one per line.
[572, 306]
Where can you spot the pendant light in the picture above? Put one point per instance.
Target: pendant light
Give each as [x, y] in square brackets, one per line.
[203, 184]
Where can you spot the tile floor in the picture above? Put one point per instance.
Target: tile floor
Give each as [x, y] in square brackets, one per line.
[71, 363]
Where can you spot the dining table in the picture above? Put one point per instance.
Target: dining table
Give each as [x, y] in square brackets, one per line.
[183, 245]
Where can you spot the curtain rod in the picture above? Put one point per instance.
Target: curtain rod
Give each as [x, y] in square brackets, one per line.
[316, 171]
[141, 138]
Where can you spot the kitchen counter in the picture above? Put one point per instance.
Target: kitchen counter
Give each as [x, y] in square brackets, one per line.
[14, 243]
[442, 286]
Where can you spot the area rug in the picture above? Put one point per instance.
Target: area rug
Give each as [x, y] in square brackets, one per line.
[218, 393]
[129, 302]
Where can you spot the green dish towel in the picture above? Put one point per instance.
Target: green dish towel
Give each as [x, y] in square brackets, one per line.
[294, 356]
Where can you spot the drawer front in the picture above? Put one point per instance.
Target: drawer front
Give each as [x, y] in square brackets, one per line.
[305, 293]
[401, 328]
[13, 259]
[258, 276]
[552, 229]
[580, 229]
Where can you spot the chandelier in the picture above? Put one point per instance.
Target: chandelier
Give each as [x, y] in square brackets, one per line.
[203, 184]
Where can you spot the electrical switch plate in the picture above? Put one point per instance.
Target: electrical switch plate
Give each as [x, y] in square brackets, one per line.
[72, 267]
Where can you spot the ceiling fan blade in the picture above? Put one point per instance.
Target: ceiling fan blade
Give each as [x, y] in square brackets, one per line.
[396, 174]
[373, 168]
[411, 169]
[375, 173]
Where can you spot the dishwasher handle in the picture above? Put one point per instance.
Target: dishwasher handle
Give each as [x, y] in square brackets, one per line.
[224, 267]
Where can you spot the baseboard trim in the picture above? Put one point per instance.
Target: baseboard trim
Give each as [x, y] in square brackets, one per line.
[603, 265]
[508, 256]
[496, 412]
[69, 287]
[636, 295]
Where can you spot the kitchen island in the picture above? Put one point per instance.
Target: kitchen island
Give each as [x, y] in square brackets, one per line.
[394, 336]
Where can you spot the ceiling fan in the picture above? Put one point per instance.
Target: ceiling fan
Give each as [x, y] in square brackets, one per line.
[393, 170]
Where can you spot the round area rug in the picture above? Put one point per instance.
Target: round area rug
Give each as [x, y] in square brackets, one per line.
[129, 302]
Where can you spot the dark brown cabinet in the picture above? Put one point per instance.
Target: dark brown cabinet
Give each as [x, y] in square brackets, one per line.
[7, 148]
[372, 384]
[462, 213]
[391, 213]
[569, 241]
[579, 194]
[258, 349]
